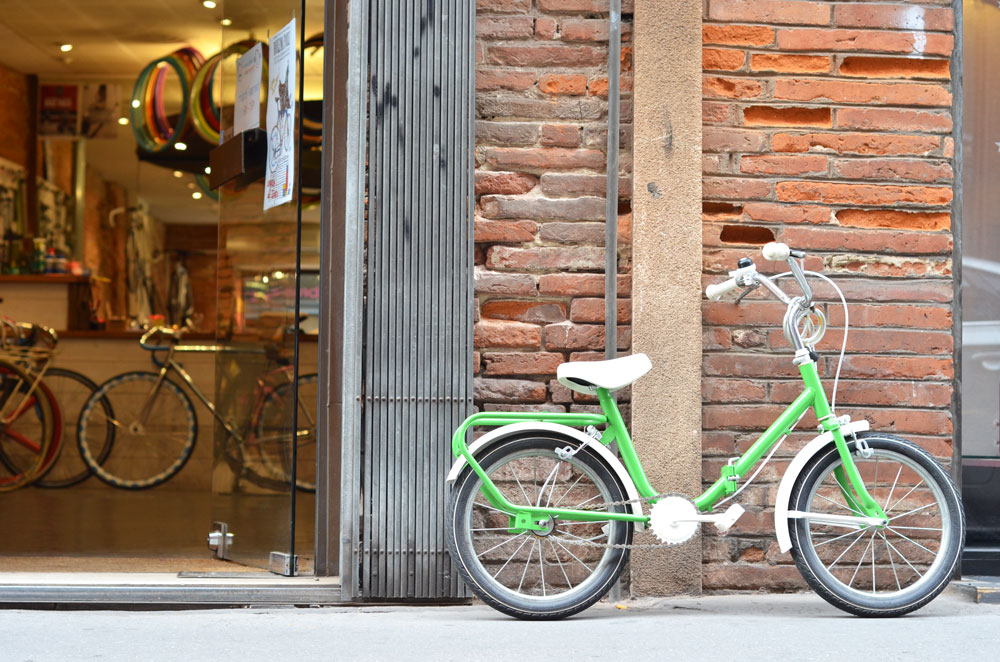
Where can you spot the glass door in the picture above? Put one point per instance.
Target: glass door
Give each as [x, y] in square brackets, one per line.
[980, 293]
[264, 472]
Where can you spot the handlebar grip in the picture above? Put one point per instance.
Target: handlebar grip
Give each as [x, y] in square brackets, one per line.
[715, 291]
[775, 251]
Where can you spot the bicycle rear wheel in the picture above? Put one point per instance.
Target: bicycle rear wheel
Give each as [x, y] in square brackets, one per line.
[71, 391]
[885, 570]
[153, 430]
[274, 433]
[27, 428]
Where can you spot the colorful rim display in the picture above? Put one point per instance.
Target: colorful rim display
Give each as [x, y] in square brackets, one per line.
[148, 114]
[205, 116]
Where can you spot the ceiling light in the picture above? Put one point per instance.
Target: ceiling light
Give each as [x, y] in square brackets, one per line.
[66, 48]
[226, 22]
[196, 195]
[265, 280]
[208, 4]
[123, 121]
[180, 146]
[178, 174]
[135, 103]
[208, 170]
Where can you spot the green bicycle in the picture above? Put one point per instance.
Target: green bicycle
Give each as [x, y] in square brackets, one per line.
[542, 513]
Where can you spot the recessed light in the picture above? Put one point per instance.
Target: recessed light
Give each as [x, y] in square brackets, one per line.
[180, 146]
[123, 121]
[196, 195]
[66, 48]
[208, 4]
[208, 170]
[178, 174]
[226, 22]
[135, 103]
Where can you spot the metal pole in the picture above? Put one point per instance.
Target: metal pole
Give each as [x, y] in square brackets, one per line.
[611, 209]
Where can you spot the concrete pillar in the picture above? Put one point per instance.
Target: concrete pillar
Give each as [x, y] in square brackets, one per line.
[666, 274]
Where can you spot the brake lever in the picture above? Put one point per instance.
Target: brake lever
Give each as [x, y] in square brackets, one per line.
[746, 292]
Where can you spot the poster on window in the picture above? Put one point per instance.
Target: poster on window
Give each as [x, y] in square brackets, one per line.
[100, 110]
[58, 110]
[246, 114]
[280, 178]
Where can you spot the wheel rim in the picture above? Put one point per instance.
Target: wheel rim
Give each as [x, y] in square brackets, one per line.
[553, 565]
[889, 563]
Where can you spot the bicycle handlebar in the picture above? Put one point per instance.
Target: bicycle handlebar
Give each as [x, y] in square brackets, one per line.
[172, 336]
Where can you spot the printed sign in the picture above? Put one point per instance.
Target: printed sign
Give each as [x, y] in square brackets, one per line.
[100, 110]
[280, 178]
[58, 110]
[248, 77]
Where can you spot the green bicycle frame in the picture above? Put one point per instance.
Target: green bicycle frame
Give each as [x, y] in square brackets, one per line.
[526, 517]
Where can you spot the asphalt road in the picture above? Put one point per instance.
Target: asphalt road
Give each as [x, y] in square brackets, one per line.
[756, 627]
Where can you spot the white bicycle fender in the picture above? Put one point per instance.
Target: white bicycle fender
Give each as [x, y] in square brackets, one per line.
[505, 431]
[792, 473]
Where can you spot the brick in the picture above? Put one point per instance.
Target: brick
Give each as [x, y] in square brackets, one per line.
[545, 27]
[505, 105]
[730, 88]
[724, 260]
[508, 390]
[559, 393]
[715, 113]
[737, 188]
[592, 310]
[855, 143]
[779, 213]
[898, 17]
[575, 258]
[894, 67]
[491, 333]
[787, 116]
[544, 158]
[574, 337]
[542, 312]
[490, 282]
[722, 59]
[823, 39]
[894, 170]
[505, 231]
[861, 194]
[715, 164]
[543, 55]
[898, 315]
[901, 220]
[590, 29]
[924, 290]
[507, 133]
[718, 139]
[573, 233]
[770, 11]
[948, 148]
[732, 390]
[899, 94]
[887, 241]
[503, 6]
[560, 135]
[580, 285]
[893, 119]
[790, 64]
[716, 338]
[910, 393]
[776, 164]
[741, 233]
[598, 86]
[737, 35]
[558, 183]
[877, 341]
[581, 6]
[749, 313]
[898, 367]
[504, 27]
[503, 79]
[520, 363]
[503, 183]
[569, 84]
[571, 209]
[731, 364]
[887, 265]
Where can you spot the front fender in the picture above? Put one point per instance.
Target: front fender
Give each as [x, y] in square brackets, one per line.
[506, 431]
[796, 466]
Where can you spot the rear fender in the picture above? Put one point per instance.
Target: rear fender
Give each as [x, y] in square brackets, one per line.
[488, 440]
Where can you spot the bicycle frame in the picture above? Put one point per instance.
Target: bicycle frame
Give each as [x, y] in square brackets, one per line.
[525, 517]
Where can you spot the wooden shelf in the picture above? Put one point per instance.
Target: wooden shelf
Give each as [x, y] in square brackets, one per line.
[58, 279]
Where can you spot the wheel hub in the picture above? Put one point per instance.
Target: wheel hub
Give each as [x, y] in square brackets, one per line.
[549, 524]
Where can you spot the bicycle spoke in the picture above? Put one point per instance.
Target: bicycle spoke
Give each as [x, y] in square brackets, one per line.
[513, 473]
[900, 555]
[575, 482]
[915, 510]
[904, 496]
[516, 551]
[541, 568]
[918, 528]
[572, 554]
[600, 535]
[551, 475]
[560, 563]
[518, 535]
[32, 446]
[839, 505]
[488, 507]
[836, 560]
[843, 535]
[888, 551]
[526, 564]
[583, 503]
[873, 562]
[893, 488]
[910, 540]
[862, 560]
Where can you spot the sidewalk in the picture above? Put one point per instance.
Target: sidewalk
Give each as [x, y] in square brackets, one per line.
[756, 627]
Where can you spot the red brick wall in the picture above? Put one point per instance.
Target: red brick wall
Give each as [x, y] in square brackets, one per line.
[827, 125]
[541, 137]
[15, 120]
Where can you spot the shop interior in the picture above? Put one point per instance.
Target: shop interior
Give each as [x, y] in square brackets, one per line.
[114, 229]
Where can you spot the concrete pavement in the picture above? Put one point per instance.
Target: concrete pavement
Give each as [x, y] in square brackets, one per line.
[758, 627]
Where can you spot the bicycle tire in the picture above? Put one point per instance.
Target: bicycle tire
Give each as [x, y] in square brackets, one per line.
[939, 503]
[138, 448]
[273, 444]
[472, 558]
[71, 391]
[27, 429]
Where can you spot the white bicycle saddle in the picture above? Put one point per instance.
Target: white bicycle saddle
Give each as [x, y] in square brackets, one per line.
[588, 376]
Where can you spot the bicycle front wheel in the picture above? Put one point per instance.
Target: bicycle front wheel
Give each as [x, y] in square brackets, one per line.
[274, 433]
[885, 570]
[546, 574]
[27, 429]
[71, 391]
[152, 425]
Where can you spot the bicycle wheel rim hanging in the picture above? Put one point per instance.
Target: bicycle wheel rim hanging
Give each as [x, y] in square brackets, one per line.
[205, 115]
[150, 124]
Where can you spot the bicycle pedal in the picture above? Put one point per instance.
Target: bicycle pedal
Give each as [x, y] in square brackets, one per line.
[729, 517]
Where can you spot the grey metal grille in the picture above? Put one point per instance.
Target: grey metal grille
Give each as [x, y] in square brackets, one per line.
[418, 311]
